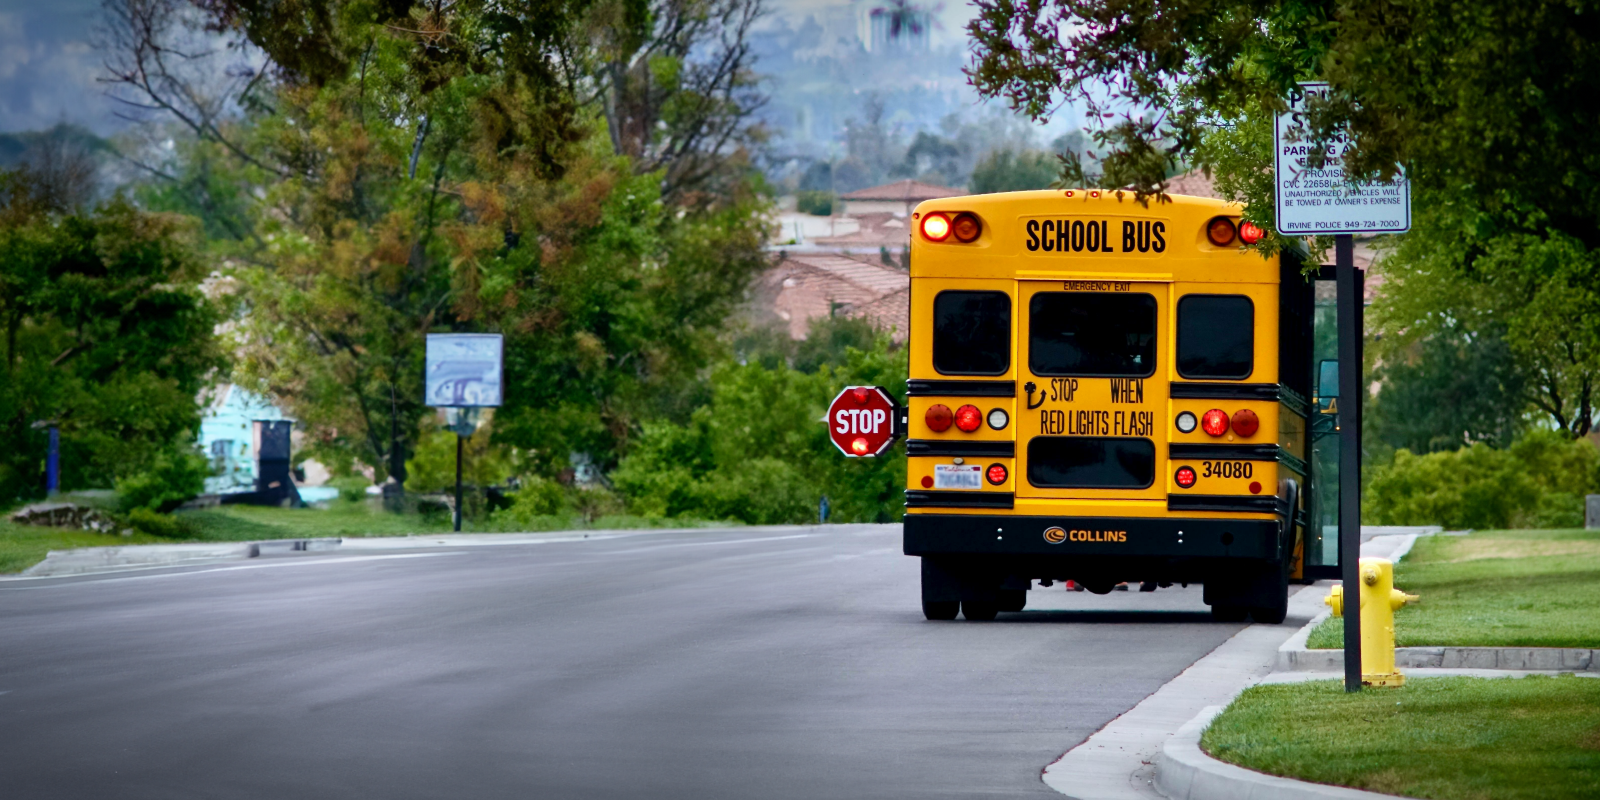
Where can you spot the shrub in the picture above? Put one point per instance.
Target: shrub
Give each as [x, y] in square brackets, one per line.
[155, 523]
[1537, 482]
[352, 488]
[815, 203]
[538, 497]
[758, 452]
[173, 478]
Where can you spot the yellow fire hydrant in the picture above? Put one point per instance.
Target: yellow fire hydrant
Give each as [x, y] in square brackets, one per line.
[1379, 601]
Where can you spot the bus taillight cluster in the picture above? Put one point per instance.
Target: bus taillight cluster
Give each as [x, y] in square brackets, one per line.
[1216, 422]
[966, 418]
[1221, 231]
[938, 226]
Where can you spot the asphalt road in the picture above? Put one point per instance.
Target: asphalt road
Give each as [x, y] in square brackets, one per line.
[788, 663]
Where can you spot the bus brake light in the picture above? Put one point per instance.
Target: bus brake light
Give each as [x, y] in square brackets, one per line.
[1184, 477]
[997, 474]
[1215, 422]
[1245, 422]
[1250, 233]
[938, 418]
[968, 418]
[936, 227]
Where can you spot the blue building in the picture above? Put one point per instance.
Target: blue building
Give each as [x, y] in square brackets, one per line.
[227, 436]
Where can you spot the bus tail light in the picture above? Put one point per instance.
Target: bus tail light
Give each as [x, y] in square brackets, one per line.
[936, 227]
[968, 418]
[1184, 477]
[1245, 422]
[1220, 231]
[966, 227]
[938, 418]
[1215, 422]
[997, 474]
[1250, 233]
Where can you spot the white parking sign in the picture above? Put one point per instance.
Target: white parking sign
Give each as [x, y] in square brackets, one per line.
[1321, 199]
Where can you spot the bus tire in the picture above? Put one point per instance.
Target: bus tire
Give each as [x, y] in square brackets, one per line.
[1277, 593]
[979, 611]
[1226, 612]
[942, 610]
[1013, 599]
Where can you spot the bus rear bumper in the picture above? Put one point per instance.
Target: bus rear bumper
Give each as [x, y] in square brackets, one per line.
[1090, 537]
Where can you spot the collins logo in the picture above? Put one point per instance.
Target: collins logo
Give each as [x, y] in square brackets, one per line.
[1055, 535]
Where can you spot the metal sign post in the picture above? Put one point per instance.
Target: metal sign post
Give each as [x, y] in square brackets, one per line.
[463, 373]
[1313, 195]
[1347, 279]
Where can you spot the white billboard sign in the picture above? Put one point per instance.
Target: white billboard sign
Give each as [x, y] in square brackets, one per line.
[464, 370]
[1321, 200]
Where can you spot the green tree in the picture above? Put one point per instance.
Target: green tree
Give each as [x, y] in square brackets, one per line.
[568, 173]
[1446, 391]
[1008, 171]
[107, 336]
[757, 453]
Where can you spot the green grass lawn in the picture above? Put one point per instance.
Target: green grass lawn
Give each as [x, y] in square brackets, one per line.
[1495, 589]
[1445, 738]
[22, 546]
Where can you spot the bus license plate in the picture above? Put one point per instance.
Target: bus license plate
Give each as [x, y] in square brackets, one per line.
[957, 476]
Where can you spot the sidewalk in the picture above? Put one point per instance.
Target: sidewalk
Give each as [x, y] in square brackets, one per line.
[1118, 761]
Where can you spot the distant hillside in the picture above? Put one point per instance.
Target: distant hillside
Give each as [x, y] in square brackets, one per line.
[14, 145]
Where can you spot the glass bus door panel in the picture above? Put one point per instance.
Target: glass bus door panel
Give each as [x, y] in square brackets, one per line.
[1322, 532]
[1091, 389]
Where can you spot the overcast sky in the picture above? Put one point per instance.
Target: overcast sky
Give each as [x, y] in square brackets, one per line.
[48, 67]
[48, 64]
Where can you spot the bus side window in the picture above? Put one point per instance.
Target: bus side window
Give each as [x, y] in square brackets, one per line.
[1216, 336]
[972, 333]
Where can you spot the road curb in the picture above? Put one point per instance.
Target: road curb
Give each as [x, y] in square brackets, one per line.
[1185, 772]
[1294, 656]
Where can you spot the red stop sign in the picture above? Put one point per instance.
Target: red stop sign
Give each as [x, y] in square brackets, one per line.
[861, 421]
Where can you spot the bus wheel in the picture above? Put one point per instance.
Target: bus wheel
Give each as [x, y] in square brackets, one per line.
[1270, 615]
[978, 611]
[1013, 599]
[1222, 612]
[1278, 605]
[940, 609]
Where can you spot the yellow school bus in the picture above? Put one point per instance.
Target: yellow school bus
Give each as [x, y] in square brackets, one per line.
[1105, 393]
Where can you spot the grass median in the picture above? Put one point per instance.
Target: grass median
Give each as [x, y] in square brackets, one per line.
[1495, 589]
[1445, 738]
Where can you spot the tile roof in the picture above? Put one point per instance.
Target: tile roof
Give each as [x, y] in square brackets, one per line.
[805, 286]
[909, 191]
[1194, 183]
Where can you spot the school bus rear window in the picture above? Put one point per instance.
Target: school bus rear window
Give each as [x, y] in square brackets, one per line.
[1216, 336]
[1093, 334]
[1091, 462]
[972, 333]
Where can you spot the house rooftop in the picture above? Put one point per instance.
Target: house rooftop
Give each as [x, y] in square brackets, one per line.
[908, 191]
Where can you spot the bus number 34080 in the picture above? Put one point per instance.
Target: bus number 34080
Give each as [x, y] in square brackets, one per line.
[1225, 469]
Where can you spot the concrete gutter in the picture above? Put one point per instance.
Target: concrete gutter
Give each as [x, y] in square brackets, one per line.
[1185, 772]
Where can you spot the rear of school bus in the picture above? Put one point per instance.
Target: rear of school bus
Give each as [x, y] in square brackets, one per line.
[1102, 392]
